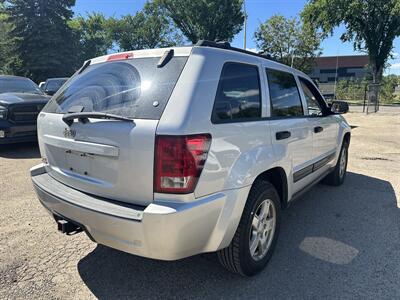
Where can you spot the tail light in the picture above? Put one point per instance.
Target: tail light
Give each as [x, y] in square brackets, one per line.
[179, 161]
[120, 56]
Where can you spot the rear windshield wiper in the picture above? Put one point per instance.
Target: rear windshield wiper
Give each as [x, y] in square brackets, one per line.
[84, 117]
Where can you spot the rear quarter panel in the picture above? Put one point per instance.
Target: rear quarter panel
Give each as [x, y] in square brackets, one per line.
[239, 152]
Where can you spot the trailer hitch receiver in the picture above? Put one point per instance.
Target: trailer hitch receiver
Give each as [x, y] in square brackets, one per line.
[68, 227]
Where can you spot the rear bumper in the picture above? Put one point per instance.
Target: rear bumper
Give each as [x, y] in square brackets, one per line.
[166, 231]
[14, 133]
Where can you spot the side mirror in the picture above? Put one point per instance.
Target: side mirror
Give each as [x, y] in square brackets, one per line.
[339, 107]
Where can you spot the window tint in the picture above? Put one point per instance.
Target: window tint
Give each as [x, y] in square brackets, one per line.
[238, 95]
[55, 84]
[125, 88]
[313, 106]
[285, 97]
[315, 102]
[18, 85]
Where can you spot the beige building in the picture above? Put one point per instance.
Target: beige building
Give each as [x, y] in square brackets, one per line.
[329, 69]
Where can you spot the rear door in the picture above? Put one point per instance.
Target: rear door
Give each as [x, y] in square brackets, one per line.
[291, 131]
[109, 158]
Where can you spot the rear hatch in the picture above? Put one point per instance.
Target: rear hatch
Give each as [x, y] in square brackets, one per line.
[111, 157]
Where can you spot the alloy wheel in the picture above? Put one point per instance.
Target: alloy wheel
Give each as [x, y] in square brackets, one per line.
[262, 229]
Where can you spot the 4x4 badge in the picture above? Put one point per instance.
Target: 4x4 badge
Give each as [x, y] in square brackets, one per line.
[69, 133]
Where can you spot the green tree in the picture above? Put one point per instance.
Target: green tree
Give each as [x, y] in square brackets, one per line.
[388, 86]
[342, 88]
[215, 20]
[289, 41]
[372, 25]
[93, 36]
[148, 28]
[3, 37]
[5, 42]
[353, 90]
[42, 40]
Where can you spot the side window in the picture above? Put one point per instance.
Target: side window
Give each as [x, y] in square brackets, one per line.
[238, 95]
[313, 106]
[284, 94]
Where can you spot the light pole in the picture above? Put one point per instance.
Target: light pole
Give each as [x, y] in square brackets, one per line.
[291, 65]
[245, 25]
[336, 74]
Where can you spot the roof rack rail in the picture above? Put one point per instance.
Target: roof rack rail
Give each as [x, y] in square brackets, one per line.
[227, 45]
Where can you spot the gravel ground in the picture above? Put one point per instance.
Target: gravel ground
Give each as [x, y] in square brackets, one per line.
[335, 242]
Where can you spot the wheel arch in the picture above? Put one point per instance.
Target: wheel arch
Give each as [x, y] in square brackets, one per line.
[347, 137]
[278, 178]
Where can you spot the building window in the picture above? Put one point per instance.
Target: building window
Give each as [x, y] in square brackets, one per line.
[327, 71]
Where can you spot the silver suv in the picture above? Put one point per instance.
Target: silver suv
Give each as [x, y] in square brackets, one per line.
[168, 153]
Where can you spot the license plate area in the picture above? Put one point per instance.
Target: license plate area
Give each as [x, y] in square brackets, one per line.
[79, 162]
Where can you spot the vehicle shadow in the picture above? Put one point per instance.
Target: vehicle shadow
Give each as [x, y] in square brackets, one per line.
[20, 151]
[334, 243]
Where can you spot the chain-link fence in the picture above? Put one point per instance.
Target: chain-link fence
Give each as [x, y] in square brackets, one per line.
[355, 93]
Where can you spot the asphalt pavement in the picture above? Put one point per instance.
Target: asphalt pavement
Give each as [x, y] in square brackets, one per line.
[335, 242]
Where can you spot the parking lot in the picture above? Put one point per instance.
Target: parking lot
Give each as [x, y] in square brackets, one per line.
[335, 242]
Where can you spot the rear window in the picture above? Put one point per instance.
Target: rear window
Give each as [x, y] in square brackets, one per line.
[134, 88]
[238, 96]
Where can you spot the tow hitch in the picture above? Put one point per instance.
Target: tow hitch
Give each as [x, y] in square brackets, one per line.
[68, 227]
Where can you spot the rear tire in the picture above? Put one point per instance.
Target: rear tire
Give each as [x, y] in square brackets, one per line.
[255, 239]
[337, 176]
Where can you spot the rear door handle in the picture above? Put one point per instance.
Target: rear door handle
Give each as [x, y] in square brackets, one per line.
[281, 135]
[318, 129]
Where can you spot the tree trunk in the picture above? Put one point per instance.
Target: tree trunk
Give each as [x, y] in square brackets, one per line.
[377, 73]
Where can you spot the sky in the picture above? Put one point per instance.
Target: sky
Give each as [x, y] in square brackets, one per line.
[257, 11]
